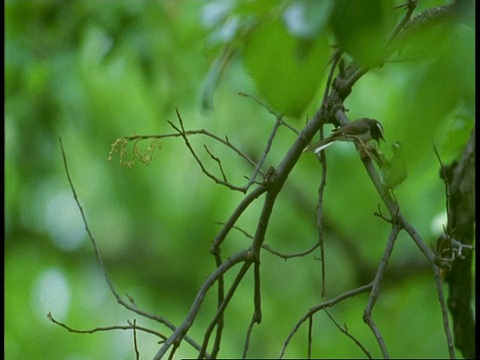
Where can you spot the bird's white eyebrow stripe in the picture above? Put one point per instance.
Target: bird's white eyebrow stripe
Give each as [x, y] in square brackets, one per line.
[379, 126]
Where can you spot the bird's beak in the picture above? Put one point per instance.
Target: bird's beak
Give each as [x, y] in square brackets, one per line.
[381, 138]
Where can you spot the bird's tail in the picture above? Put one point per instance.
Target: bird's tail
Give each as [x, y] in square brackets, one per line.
[317, 147]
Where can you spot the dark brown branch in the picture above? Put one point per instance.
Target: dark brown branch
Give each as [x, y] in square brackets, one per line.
[461, 227]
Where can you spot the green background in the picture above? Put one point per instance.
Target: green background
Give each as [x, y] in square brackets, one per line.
[91, 72]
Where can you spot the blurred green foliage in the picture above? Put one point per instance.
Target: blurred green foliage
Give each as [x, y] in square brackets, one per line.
[91, 72]
[361, 28]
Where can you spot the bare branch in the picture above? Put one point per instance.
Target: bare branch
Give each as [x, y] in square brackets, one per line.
[444, 177]
[290, 256]
[220, 310]
[322, 306]
[278, 116]
[98, 256]
[309, 335]
[443, 307]
[271, 250]
[268, 146]
[135, 345]
[410, 5]
[321, 190]
[367, 314]
[247, 337]
[183, 133]
[219, 162]
[344, 330]
[215, 248]
[180, 332]
[107, 328]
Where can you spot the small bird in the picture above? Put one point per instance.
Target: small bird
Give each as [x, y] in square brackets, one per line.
[393, 172]
[360, 131]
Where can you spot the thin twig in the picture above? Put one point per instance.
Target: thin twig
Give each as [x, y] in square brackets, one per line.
[135, 345]
[321, 191]
[309, 337]
[344, 330]
[410, 6]
[87, 228]
[179, 334]
[278, 116]
[257, 315]
[323, 182]
[270, 249]
[247, 337]
[135, 138]
[221, 309]
[265, 153]
[218, 161]
[183, 133]
[443, 307]
[244, 204]
[293, 255]
[445, 181]
[257, 293]
[335, 59]
[320, 307]
[130, 306]
[220, 299]
[106, 328]
[367, 314]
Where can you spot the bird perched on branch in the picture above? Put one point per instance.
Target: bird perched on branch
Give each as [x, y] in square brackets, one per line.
[359, 131]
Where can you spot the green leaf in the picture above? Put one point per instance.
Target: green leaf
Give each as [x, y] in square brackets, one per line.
[361, 27]
[287, 71]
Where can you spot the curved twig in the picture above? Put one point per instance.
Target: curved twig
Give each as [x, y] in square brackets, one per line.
[322, 306]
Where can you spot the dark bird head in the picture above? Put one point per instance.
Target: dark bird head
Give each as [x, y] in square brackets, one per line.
[376, 130]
